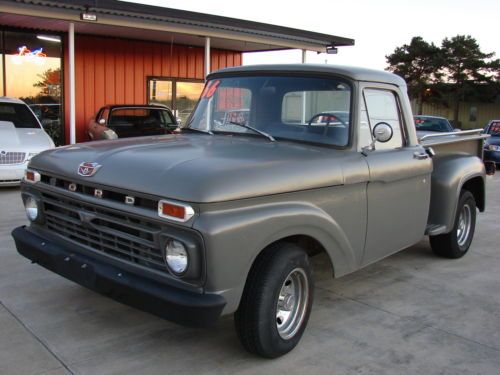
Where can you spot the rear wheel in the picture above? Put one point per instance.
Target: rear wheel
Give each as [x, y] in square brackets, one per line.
[276, 302]
[456, 243]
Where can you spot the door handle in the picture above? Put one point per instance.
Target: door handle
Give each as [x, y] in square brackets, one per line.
[420, 155]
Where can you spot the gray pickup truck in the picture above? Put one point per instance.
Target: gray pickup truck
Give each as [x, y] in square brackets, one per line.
[276, 164]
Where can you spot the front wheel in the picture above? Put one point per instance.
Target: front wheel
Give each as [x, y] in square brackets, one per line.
[276, 302]
[456, 243]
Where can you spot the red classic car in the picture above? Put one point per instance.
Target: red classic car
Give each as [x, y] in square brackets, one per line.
[124, 121]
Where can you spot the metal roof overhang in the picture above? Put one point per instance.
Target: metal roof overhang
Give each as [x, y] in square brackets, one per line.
[138, 21]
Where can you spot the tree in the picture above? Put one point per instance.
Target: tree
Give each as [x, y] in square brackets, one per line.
[467, 69]
[50, 83]
[418, 63]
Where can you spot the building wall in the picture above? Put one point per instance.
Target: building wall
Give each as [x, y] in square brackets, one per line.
[484, 112]
[115, 71]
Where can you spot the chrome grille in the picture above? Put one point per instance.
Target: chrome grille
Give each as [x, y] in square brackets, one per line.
[118, 235]
[12, 157]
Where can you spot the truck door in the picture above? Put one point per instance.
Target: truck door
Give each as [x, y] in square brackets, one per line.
[398, 191]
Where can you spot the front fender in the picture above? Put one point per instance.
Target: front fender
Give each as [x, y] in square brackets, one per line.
[449, 176]
[234, 237]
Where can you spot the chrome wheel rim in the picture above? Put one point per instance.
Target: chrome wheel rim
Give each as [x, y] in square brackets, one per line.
[292, 303]
[464, 224]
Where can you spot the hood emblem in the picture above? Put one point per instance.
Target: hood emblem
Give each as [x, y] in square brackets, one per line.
[88, 169]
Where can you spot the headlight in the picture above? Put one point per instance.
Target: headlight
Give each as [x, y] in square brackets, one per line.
[494, 147]
[31, 208]
[176, 256]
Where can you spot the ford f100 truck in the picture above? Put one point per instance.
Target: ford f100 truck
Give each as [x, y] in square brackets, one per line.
[275, 165]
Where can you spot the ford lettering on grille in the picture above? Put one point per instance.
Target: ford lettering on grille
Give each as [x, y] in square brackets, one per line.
[88, 169]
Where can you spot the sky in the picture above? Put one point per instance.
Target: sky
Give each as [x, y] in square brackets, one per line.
[378, 26]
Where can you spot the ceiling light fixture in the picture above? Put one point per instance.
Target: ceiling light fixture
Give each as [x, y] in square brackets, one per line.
[49, 38]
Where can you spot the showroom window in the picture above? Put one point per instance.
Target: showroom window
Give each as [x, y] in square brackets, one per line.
[179, 95]
[32, 72]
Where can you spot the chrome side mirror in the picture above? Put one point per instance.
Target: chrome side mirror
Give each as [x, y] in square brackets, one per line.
[179, 121]
[382, 132]
[102, 121]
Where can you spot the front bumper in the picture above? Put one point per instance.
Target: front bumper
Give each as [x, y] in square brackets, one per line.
[11, 175]
[180, 306]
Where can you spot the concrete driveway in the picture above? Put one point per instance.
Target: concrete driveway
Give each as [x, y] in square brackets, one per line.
[411, 313]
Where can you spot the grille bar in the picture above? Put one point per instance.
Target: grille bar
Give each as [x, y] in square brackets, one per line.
[74, 212]
[115, 234]
[9, 158]
[55, 218]
[107, 194]
[80, 235]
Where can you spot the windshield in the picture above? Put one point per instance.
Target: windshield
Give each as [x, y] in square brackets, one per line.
[287, 108]
[133, 122]
[433, 124]
[19, 114]
[494, 129]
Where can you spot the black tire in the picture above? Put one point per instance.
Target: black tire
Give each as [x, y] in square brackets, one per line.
[256, 320]
[453, 245]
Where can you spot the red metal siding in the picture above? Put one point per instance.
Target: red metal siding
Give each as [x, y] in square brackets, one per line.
[115, 71]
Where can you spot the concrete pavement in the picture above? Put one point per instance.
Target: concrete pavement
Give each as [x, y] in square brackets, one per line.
[411, 313]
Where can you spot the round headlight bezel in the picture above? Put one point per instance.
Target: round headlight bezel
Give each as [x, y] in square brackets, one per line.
[31, 208]
[175, 251]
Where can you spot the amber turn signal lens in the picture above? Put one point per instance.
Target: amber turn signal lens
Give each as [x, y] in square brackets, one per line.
[175, 211]
[31, 176]
[169, 209]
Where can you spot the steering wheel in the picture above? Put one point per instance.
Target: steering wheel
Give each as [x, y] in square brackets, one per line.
[330, 118]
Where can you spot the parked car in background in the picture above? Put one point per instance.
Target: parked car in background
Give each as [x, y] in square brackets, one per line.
[492, 144]
[21, 138]
[432, 124]
[125, 121]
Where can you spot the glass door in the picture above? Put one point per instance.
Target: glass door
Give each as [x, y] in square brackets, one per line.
[33, 73]
[179, 95]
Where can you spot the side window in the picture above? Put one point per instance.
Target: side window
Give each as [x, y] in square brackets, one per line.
[166, 118]
[382, 106]
[103, 114]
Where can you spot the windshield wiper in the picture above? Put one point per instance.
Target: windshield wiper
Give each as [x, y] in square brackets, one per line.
[264, 134]
[200, 130]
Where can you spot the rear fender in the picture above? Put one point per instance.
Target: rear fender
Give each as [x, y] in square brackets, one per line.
[450, 175]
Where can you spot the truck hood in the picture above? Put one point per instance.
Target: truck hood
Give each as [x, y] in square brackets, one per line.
[23, 139]
[199, 168]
